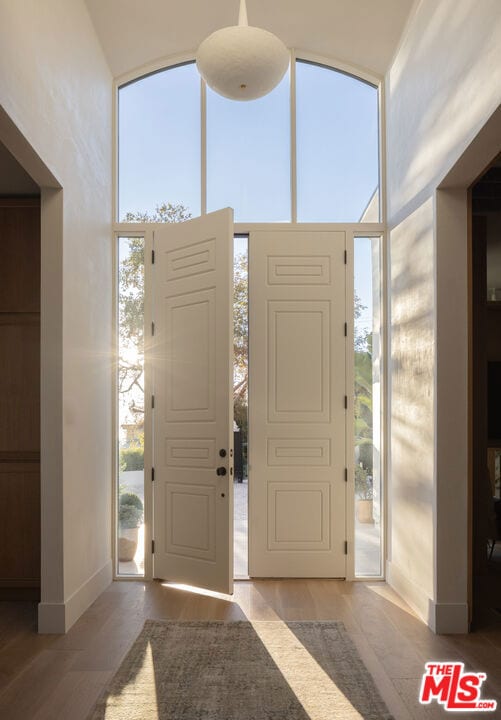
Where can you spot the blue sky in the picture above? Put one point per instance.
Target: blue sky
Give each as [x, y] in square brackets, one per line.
[248, 150]
[248, 147]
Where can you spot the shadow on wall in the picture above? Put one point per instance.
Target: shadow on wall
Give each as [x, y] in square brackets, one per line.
[432, 113]
[412, 395]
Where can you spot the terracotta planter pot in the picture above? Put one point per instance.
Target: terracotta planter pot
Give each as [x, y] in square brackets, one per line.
[364, 511]
[127, 544]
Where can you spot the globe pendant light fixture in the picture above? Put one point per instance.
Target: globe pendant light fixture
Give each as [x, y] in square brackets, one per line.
[242, 62]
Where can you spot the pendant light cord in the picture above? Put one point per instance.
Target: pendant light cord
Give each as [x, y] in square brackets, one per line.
[242, 15]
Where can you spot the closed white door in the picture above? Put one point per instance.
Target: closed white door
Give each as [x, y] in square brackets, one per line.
[297, 396]
[192, 367]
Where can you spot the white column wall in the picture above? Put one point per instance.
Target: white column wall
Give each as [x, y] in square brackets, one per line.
[443, 85]
[411, 365]
[56, 87]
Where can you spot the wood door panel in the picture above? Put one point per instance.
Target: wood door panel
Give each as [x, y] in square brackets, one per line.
[20, 384]
[20, 248]
[19, 394]
[20, 526]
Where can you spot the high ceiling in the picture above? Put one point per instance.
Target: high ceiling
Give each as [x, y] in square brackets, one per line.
[362, 33]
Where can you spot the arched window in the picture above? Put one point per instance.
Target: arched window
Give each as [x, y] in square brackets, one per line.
[307, 152]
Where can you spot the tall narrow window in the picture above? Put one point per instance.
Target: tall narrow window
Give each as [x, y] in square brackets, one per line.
[130, 491]
[337, 146]
[240, 404]
[368, 500]
[159, 143]
[248, 156]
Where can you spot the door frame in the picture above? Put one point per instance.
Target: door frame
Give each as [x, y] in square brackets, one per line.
[453, 403]
[52, 574]
[352, 230]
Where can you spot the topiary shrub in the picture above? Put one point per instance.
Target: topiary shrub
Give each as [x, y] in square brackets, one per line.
[130, 517]
[131, 459]
[130, 510]
[128, 498]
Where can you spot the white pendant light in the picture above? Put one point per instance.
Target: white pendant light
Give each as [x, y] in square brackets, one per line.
[242, 62]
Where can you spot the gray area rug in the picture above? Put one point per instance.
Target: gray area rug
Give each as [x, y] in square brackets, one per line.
[205, 670]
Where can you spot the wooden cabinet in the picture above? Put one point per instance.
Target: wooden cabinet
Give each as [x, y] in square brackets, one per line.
[19, 395]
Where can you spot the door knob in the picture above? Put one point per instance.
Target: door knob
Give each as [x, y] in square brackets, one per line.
[222, 452]
[221, 471]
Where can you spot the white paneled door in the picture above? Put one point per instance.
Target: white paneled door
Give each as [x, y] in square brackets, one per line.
[191, 362]
[297, 389]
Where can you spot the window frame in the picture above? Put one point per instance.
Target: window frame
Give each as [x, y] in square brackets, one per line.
[170, 63]
[120, 229]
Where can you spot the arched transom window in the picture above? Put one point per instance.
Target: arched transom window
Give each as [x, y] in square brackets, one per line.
[307, 152]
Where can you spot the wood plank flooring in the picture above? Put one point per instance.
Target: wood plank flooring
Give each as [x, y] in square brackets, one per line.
[44, 677]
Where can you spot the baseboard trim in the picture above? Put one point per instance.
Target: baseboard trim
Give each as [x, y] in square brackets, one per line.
[441, 618]
[451, 618]
[57, 618]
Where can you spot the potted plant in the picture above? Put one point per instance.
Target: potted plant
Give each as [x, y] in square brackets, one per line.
[364, 493]
[130, 517]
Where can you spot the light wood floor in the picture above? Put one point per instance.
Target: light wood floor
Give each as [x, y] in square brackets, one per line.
[45, 677]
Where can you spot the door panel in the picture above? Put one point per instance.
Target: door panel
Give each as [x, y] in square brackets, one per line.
[192, 365]
[20, 398]
[297, 388]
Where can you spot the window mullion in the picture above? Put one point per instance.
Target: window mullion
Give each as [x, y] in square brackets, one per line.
[203, 146]
[293, 163]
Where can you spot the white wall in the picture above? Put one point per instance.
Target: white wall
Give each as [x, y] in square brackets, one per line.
[444, 84]
[56, 87]
[410, 491]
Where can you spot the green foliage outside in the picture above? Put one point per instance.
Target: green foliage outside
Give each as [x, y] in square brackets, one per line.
[130, 510]
[363, 410]
[131, 459]
[240, 331]
[241, 350]
[131, 308]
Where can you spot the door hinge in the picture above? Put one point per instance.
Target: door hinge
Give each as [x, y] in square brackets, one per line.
[152, 328]
[346, 402]
[152, 257]
[346, 547]
[346, 329]
[152, 474]
[153, 546]
[152, 401]
[346, 257]
[346, 474]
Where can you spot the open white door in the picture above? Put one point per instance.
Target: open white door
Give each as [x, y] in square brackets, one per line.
[192, 372]
[297, 415]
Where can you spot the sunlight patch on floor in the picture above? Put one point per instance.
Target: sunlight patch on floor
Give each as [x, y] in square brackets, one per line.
[315, 690]
[391, 596]
[118, 705]
[199, 591]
